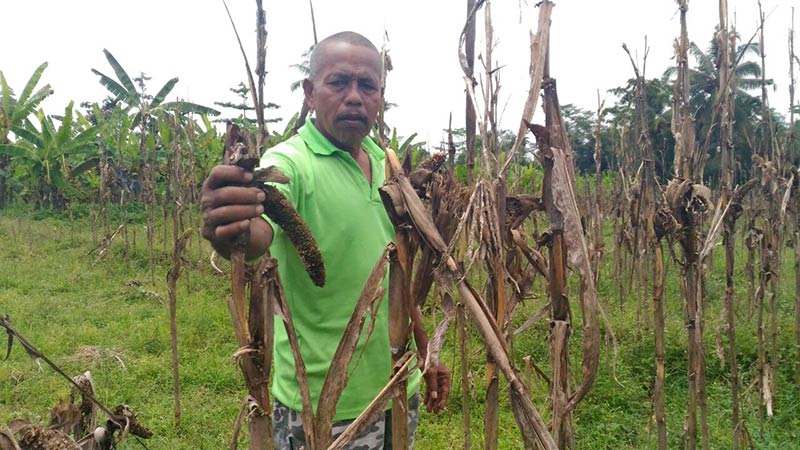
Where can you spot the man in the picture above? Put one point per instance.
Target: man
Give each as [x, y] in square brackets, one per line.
[335, 171]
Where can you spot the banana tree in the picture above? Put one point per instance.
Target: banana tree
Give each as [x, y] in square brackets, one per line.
[143, 108]
[146, 113]
[14, 111]
[48, 157]
[124, 90]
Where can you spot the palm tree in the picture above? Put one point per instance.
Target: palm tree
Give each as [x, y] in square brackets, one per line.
[13, 112]
[704, 86]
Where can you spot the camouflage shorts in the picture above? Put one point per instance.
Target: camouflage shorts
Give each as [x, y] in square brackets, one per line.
[288, 427]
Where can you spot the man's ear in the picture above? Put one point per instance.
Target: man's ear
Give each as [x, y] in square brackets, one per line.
[308, 91]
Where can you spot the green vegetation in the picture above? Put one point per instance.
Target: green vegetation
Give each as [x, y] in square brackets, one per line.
[103, 316]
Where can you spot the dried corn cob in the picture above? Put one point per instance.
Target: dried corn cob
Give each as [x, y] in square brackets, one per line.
[280, 210]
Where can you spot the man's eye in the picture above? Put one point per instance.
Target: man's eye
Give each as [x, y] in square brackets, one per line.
[368, 87]
[339, 82]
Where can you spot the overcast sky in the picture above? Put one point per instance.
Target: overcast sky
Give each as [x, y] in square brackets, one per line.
[192, 39]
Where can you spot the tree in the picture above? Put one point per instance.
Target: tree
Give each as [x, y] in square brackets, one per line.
[242, 104]
[147, 109]
[703, 87]
[47, 157]
[13, 112]
[579, 124]
[658, 100]
[304, 67]
[124, 90]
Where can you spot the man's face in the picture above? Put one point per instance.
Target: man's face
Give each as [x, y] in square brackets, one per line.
[345, 93]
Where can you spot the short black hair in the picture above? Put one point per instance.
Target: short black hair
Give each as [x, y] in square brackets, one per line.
[349, 37]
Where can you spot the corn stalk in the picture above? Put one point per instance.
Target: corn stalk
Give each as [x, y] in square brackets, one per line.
[406, 210]
[657, 224]
[727, 45]
[172, 281]
[399, 317]
[689, 202]
[469, 63]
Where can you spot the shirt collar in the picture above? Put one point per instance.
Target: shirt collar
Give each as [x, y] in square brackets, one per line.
[320, 145]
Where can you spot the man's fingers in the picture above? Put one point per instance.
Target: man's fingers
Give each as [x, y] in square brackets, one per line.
[224, 175]
[230, 230]
[233, 213]
[432, 388]
[444, 389]
[230, 195]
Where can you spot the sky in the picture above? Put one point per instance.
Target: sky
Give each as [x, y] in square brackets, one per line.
[193, 40]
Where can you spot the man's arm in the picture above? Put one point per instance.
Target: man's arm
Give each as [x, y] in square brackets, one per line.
[230, 209]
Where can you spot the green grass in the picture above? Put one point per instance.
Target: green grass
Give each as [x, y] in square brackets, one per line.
[87, 315]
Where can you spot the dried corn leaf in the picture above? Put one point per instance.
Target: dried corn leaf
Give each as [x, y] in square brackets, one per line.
[434, 162]
[64, 417]
[7, 440]
[564, 199]
[338, 374]
[519, 207]
[239, 148]
[34, 437]
[377, 406]
[282, 310]
[539, 50]
[437, 339]
[786, 196]
[450, 273]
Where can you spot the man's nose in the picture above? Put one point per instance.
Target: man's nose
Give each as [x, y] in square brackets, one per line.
[353, 96]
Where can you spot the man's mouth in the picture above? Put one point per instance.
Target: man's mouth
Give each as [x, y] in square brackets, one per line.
[352, 120]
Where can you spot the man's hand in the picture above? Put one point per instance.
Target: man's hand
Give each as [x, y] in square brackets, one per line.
[227, 210]
[437, 387]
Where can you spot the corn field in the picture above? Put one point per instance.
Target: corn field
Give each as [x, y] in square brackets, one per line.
[535, 258]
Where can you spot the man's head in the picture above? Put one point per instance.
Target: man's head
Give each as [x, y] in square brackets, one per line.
[344, 87]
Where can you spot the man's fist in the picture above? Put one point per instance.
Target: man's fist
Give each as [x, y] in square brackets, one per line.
[437, 387]
[228, 207]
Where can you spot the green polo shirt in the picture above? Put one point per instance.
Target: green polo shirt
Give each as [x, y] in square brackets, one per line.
[348, 221]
